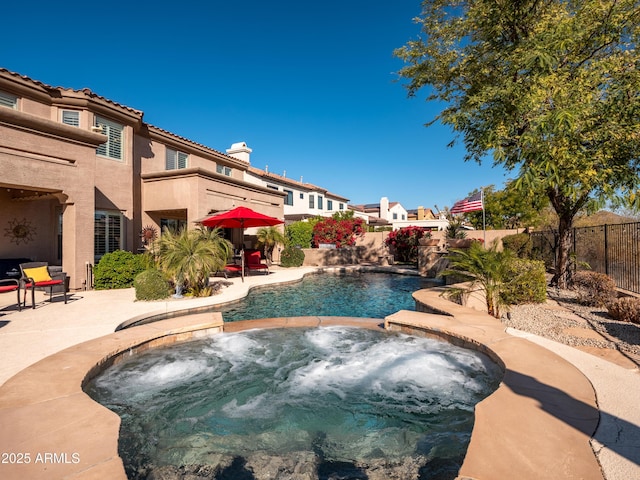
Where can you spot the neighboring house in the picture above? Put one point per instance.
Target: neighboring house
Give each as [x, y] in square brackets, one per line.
[383, 214]
[81, 176]
[424, 217]
[394, 215]
[301, 200]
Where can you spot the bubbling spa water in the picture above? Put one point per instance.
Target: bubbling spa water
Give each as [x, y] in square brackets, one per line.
[341, 401]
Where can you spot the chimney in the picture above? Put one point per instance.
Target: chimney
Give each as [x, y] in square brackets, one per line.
[384, 208]
[240, 151]
[420, 212]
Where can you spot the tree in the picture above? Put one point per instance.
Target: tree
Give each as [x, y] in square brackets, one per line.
[190, 256]
[509, 208]
[550, 89]
[269, 237]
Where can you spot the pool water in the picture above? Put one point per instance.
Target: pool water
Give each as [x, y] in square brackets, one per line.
[359, 294]
[340, 401]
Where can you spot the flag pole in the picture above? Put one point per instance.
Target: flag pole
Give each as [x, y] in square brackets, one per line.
[484, 224]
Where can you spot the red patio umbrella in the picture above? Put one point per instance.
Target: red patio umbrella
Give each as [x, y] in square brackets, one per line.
[240, 217]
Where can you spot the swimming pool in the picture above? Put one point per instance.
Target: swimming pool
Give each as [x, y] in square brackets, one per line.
[353, 294]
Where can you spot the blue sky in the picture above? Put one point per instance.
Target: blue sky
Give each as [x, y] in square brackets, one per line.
[310, 86]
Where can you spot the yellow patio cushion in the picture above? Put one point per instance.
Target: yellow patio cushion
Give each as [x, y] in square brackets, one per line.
[39, 274]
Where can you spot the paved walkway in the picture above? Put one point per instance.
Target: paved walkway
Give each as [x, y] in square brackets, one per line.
[33, 334]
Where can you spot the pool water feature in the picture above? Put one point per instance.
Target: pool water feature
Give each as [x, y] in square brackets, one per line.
[354, 294]
[342, 402]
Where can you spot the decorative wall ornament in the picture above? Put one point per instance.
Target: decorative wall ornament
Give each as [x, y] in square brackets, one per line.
[148, 234]
[20, 231]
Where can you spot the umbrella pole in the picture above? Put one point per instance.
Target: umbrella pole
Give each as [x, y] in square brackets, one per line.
[242, 249]
[242, 262]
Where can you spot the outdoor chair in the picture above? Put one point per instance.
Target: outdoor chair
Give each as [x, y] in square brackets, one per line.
[231, 268]
[37, 275]
[9, 285]
[253, 261]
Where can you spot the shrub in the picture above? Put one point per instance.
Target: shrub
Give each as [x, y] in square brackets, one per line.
[626, 309]
[300, 233]
[484, 267]
[118, 269]
[341, 232]
[151, 285]
[520, 244]
[405, 241]
[527, 284]
[291, 257]
[596, 289]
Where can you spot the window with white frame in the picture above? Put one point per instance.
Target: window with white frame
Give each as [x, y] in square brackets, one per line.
[320, 202]
[288, 200]
[341, 206]
[329, 205]
[107, 233]
[8, 100]
[112, 148]
[222, 170]
[175, 160]
[70, 117]
[395, 216]
[272, 187]
[312, 201]
[302, 196]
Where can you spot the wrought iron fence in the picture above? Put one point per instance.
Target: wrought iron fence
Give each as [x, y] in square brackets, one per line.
[610, 249]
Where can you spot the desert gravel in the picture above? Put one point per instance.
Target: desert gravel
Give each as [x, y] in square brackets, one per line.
[562, 313]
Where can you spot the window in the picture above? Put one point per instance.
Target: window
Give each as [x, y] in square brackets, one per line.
[312, 201]
[70, 117]
[403, 217]
[114, 132]
[175, 160]
[395, 216]
[329, 205]
[107, 232]
[288, 200]
[172, 224]
[272, 187]
[8, 100]
[320, 203]
[341, 206]
[222, 170]
[302, 196]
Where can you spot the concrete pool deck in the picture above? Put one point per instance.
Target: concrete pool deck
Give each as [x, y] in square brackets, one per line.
[537, 425]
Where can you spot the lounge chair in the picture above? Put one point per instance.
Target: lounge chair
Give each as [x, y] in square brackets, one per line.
[36, 275]
[253, 261]
[9, 285]
[231, 268]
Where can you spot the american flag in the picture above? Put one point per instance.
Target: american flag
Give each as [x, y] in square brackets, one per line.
[469, 204]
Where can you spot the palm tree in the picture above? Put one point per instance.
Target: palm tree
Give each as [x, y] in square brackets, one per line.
[269, 237]
[486, 267]
[190, 256]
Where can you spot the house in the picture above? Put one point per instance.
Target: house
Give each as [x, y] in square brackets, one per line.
[82, 175]
[301, 200]
[424, 217]
[383, 214]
